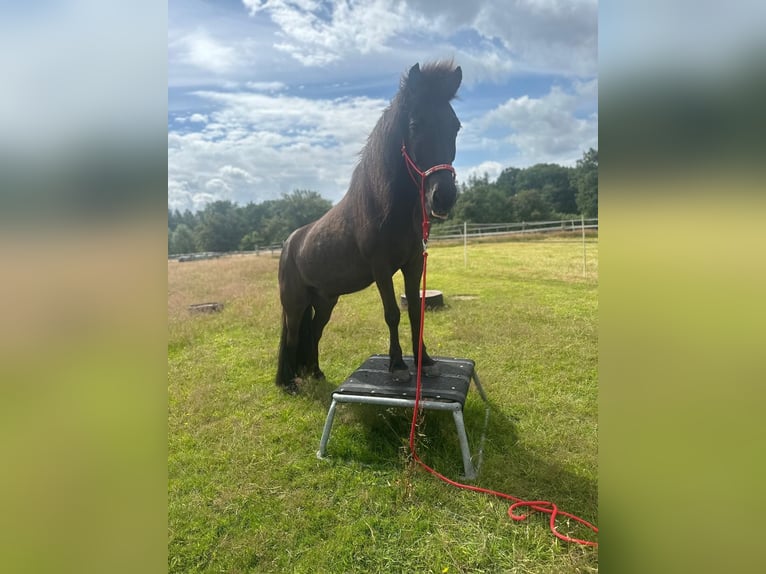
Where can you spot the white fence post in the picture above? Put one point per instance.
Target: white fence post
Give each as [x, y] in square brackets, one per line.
[465, 244]
[583, 244]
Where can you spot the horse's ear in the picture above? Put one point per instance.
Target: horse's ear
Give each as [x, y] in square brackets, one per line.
[454, 81]
[414, 78]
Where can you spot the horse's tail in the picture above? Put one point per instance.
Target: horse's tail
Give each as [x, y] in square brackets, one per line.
[283, 369]
[288, 369]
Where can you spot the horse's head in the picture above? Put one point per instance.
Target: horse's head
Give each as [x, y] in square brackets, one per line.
[430, 129]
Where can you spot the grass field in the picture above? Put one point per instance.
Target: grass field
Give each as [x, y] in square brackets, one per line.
[246, 491]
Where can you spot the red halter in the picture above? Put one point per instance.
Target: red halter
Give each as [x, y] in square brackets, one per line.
[419, 177]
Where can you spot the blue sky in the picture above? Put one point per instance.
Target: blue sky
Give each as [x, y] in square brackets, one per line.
[266, 96]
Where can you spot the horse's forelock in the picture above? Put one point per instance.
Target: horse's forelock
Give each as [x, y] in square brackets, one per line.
[435, 81]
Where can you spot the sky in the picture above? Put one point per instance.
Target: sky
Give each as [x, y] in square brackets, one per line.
[269, 96]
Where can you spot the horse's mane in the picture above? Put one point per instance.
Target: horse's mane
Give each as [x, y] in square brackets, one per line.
[380, 158]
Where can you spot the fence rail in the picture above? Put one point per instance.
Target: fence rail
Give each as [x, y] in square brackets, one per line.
[474, 230]
[463, 231]
[268, 249]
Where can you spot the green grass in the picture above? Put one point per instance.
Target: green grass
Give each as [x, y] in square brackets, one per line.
[246, 491]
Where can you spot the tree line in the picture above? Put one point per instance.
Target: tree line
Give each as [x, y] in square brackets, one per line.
[225, 226]
[542, 192]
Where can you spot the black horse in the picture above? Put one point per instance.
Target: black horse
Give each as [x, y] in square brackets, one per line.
[376, 229]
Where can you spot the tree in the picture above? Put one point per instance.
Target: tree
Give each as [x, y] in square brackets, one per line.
[254, 214]
[507, 181]
[555, 181]
[221, 227]
[175, 218]
[532, 205]
[302, 206]
[252, 241]
[586, 181]
[182, 240]
[482, 202]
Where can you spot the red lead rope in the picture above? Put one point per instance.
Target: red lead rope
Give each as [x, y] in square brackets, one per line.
[538, 505]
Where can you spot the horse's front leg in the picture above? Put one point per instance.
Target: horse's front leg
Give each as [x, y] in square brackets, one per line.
[412, 273]
[397, 366]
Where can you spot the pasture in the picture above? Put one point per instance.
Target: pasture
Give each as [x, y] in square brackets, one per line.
[246, 492]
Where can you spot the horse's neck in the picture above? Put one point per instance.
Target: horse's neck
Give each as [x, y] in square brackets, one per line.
[380, 181]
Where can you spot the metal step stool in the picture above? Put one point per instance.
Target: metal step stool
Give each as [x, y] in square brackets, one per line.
[372, 384]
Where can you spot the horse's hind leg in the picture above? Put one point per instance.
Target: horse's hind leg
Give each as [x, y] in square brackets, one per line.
[289, 366]
[322, 311]
[296, 319]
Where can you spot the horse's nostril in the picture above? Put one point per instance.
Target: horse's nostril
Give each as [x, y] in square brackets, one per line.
[440, 201]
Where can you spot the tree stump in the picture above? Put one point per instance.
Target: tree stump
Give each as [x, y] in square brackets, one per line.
[206, 308]
[434, 299]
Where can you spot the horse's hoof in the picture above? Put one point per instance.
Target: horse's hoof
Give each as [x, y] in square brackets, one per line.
[401, 375]
[291, 388]
[432, 370]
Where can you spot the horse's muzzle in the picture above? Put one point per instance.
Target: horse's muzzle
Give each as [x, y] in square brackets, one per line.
[442, 196]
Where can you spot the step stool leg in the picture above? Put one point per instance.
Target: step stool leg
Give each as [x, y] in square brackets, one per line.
[326, 432]
[470, 472]
[478, 386]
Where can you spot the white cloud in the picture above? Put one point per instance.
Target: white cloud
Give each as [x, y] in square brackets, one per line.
[484, 64]
[492, 169]
[200, 49]
[257, 146]
[317, 34]
[181, 197]
[543, 35]
[265, 86]
[556, 127]
[233, 172]
[198, 118]
[553, 36]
